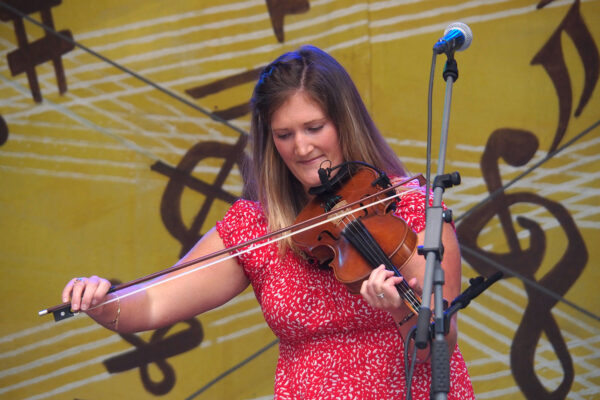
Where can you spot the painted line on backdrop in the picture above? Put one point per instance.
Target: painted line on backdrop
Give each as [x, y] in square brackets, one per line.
[234, 317]
[436, 12]
[62, 159]
[439, 27]
[71, 175]
[34, 330]
[436, 27]
[76, 350]
[98, 343]
[407, 33]
[335, 46]
[493, 355]
[174, 18]
[71, 386]
[62, 371]
[50, 340]
[78, 366]
[238, 38]
[267, 33]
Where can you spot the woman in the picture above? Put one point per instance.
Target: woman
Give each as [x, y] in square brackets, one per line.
[306, 112]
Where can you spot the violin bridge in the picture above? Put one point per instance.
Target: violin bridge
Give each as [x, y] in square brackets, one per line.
[337, 218]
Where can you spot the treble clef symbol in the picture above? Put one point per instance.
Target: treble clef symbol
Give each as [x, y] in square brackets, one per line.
[517, 147]
[180, 178]
[156, 351]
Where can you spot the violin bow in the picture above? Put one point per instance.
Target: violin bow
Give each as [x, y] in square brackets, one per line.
[63, 311]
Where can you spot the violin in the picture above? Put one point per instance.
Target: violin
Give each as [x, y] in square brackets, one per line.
[353, 244]
[365, 241]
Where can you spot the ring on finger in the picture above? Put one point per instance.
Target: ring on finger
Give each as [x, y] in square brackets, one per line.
[380, 295]
[77, 280]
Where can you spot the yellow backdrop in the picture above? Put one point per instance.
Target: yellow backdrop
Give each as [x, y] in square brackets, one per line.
[119, 148]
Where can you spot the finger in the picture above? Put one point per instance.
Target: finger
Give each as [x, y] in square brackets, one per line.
[370, 292]
[414, 283]
[376, 280]
[389, 278]
[101, 291]
[91, 285]
[77, 291]
[380, 273]
[393, 281]
[388, 288]
[363, 288]
[66, 293]
[365, 292]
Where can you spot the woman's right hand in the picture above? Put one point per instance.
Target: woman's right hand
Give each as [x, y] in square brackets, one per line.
[86, 293]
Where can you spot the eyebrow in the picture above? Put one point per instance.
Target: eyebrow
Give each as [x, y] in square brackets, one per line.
[312, 121]
[318, 120]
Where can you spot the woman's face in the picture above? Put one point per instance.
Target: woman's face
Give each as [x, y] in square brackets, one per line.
[304, 138]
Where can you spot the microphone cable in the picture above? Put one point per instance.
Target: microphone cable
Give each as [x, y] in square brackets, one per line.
[409, 369]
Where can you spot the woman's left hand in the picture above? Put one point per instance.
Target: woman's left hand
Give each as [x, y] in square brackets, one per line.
[380, 291]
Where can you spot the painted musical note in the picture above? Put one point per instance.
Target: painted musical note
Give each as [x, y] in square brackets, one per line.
[551, 57]
[278, 9]
[48, 48]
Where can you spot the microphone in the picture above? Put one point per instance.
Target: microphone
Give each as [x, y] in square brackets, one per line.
[457, 37]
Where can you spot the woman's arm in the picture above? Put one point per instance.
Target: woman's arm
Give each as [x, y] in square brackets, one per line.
[166, 303]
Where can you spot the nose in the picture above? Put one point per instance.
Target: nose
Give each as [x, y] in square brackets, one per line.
[303, 144]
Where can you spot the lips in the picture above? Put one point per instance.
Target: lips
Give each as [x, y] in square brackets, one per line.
[311, 161]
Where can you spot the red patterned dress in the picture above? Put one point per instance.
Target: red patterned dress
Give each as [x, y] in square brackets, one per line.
[333, 345]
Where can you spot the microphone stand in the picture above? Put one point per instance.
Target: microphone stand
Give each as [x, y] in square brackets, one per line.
[433, 251]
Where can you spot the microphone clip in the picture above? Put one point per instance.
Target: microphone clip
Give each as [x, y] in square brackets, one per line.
[451, 68]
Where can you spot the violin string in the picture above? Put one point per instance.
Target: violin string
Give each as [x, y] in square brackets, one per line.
[379, 257]
[376, 256]
[368, 245]
[245, 250]
[412, 297]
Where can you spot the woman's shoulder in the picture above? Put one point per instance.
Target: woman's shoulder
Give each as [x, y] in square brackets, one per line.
[409, 181]
[411, 190]
[244, 211]
[245, 206]
[411, 204]
[244, 220]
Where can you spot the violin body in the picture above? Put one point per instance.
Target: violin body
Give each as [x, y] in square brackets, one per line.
[353, 245]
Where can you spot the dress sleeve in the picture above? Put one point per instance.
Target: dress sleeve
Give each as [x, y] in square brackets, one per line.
[243, 222]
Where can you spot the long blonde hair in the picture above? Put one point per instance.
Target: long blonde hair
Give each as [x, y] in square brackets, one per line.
[319, 75]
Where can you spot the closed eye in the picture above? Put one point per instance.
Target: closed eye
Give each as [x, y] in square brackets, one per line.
[282, 135]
